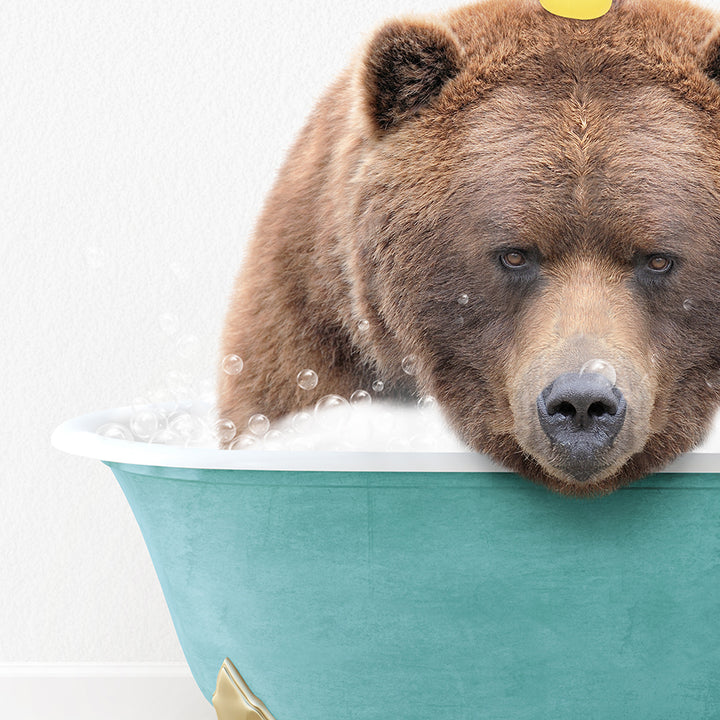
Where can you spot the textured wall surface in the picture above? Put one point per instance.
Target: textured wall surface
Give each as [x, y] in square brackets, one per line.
[137, 141]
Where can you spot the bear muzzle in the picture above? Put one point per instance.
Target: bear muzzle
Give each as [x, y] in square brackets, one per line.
[581, 414]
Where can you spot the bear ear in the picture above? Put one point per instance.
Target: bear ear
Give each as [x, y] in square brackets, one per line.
[406, 65]
[709, 55]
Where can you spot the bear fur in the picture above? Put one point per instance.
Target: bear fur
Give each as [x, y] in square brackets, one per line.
[587, 148]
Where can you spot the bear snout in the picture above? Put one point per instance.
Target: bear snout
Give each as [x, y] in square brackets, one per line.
[581, 414]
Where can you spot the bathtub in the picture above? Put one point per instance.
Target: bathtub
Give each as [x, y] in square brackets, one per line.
[418, 586]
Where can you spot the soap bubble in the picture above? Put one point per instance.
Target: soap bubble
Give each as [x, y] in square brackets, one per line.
[360, 397]
[169, 323]
[273, 440]
[378, 386]
[463, 299]
[328, 402]
[232, 364]
[200, 434]
[244, 442]
[688, 305]
[224, 429]
[307, 379]
[300, 442]
[116, 431]
[258, 424]
[409, 364]
[164, 400]
[426, 402]
[363, 325]
[211, 416]
[601, 367]
[144, 423]
[301, 421]
[182, 423]
[340, 407]
[165, 436]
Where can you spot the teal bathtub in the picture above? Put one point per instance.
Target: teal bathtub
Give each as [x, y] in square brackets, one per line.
[419, 586]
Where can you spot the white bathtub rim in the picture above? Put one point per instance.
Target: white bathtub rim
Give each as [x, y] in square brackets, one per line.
[78, 437]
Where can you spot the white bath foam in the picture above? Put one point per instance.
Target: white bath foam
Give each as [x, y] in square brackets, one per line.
[376, 427]
[381, 426]
[415, 442]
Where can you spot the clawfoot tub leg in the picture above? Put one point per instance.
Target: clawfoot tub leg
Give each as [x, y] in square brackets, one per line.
[233, 699]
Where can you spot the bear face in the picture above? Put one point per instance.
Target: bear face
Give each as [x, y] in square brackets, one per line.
[505, 196]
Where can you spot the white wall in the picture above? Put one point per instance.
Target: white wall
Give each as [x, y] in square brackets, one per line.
[137, 141]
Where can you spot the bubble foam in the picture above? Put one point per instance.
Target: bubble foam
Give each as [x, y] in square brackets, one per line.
[600, 367]
[307, 379]
[331, 425]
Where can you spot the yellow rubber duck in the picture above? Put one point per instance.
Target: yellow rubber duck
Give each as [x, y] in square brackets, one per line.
[577, 9]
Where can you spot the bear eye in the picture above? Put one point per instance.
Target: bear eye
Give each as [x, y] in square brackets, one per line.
[514, 259]
[659, 264]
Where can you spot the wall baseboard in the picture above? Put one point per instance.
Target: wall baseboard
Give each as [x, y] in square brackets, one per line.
[111, 691]
[94, 669]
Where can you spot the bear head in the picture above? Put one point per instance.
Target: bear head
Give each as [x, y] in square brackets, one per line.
[534, 218]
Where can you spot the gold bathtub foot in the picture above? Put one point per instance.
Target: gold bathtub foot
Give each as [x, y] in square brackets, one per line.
[233, 699]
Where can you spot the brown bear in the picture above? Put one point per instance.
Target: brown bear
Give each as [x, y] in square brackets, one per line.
[503, 195]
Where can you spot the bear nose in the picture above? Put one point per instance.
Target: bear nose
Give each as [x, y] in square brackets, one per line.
[581, 414]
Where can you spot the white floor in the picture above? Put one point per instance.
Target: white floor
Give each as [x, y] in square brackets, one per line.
[119, 692]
